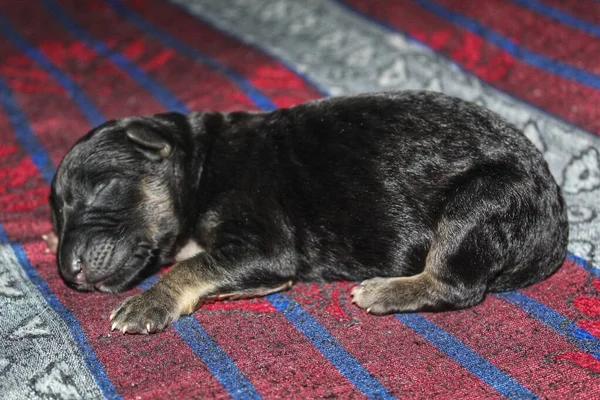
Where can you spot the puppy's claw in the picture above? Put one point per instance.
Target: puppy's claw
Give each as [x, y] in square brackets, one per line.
[369, 310]
[113, 326]
[44, 237]
[124, 330]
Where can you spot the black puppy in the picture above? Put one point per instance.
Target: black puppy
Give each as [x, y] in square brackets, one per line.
[432, 201]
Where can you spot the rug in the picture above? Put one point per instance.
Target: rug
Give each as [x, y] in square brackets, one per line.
[68, 65]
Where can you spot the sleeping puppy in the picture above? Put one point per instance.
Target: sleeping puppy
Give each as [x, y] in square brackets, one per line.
[430, 201]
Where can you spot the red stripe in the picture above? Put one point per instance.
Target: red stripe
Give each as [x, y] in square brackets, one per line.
[405, 363]
[110, 88]
[277, 82]
[42, 100]
[200, 87]
[533, 31]
[569, 100]
[587, 10]
[22, 190]
[278, 360]
[524, 347]
[7, 148]
[575, 295]
[519, 345]
[561, 289]
[23, 194]
[587, 304]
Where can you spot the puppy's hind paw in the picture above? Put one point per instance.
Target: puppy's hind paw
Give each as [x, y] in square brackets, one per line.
[373, 295]
[400, 294]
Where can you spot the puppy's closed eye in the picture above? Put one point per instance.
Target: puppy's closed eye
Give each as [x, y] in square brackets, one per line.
[101, 190]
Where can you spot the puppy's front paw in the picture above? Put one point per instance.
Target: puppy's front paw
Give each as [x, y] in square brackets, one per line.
[147, 312]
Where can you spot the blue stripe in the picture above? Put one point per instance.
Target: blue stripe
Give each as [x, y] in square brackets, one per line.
[89, 357]
[537, 60]
[217, 361]
[24, 134]
[205, 348]
[583, 264]
[565, 327]
[161, 93]
[329, 347]
[477, 365]
[85, 104]
[560, 16]
[243, 84]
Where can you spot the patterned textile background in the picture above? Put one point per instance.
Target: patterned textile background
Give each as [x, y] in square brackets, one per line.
[67, 65]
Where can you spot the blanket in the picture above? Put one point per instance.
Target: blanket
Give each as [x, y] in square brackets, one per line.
[68, 65]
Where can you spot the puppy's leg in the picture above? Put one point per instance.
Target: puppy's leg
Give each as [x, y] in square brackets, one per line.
[252, 292]
[187, 284]
[476, 237]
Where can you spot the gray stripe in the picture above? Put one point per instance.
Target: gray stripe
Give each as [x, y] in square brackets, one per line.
[38, 358]
[345, 54]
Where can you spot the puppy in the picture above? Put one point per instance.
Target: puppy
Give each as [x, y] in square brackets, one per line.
[429, 200]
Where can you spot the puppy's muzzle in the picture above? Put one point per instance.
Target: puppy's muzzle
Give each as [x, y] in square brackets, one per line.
[83, 265]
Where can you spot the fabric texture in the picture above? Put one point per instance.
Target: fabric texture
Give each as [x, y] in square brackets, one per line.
[68, 65]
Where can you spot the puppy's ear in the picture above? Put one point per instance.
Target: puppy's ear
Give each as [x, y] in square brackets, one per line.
[151, 142]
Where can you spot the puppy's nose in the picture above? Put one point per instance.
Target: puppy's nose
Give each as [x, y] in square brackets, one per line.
[74, 271]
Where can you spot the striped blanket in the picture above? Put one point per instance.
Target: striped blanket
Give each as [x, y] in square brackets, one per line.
[67, 65]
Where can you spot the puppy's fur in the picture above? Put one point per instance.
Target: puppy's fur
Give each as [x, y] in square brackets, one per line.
[432, 201]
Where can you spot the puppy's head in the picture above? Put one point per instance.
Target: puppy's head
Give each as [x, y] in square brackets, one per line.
[116, 201]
